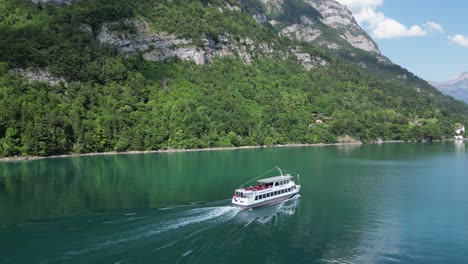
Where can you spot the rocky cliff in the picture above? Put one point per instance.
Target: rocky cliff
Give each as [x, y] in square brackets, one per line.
[457, 88]
[310, 27]
[55, 2]
[313, 24]
[338, 17]
[161, 46]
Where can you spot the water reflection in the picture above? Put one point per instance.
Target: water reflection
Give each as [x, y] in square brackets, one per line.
[459, 146]
[271, 214]
[385, 203]
[347, 150]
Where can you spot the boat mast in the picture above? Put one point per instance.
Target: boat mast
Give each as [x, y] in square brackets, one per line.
[280, 171]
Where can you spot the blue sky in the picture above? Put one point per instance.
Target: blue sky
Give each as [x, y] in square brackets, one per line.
[429, 38]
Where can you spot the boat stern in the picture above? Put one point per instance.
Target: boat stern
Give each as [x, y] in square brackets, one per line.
[239, 202]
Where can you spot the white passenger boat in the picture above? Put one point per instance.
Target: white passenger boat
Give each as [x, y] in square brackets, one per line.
[268, 191]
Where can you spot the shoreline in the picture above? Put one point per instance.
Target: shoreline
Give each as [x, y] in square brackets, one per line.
[133, 152]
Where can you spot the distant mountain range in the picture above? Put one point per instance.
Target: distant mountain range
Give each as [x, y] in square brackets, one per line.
[457, 88]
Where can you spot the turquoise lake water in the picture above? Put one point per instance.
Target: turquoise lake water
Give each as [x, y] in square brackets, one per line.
[387, 203]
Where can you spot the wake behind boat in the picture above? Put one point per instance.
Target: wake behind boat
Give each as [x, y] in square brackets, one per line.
[268, 191]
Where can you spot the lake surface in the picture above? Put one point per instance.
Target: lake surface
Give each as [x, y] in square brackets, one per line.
[388, 203]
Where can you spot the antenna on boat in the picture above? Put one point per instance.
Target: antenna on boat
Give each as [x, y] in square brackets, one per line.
[280, 170]
[270, 170]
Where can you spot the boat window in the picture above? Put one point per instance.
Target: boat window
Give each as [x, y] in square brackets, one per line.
[269, 194]
[263, 196]
[289, 189]
[275, 193]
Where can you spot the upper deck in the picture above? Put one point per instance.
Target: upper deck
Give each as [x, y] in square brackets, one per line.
[267, 183]
[275, 179]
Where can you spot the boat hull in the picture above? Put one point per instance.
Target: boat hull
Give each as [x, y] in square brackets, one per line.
[265, 203]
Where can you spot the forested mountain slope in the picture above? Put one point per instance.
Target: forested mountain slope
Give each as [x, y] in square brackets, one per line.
[101, 75]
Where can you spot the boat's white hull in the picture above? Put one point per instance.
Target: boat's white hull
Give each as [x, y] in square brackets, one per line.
[265, 203]
[270, 191]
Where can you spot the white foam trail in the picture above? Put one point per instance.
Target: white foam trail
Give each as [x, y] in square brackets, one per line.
[165, 246]
[196, 232]
[124, 220]
[187, 253]
[198, 215]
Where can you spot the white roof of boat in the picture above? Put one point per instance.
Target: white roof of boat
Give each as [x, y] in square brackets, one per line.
[276, 178]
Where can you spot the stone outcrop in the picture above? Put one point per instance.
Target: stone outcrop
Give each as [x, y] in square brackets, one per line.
[333, 15]
[305, 31]
[307, 61]
[273, 6]
[38, 75]
[55, 2]
[337, 16]
[140, 41]
[163, 46]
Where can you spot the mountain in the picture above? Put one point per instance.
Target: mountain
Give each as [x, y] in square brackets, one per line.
[457, 88]
[81, 76]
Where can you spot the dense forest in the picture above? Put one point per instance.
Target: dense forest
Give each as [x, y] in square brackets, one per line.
[111, 101]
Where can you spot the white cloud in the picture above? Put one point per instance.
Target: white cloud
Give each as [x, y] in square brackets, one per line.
[382, 27]
[433, 26]
[390, 29]
[459, 40]
[358, 5]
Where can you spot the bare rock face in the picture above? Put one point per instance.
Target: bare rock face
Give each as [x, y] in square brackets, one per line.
[163, 46]
[38, 75]
[307, 61]
[334, 15]
[273, 6]
[337, 16]
[140, 41]
[305, 31]
[55, 2]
